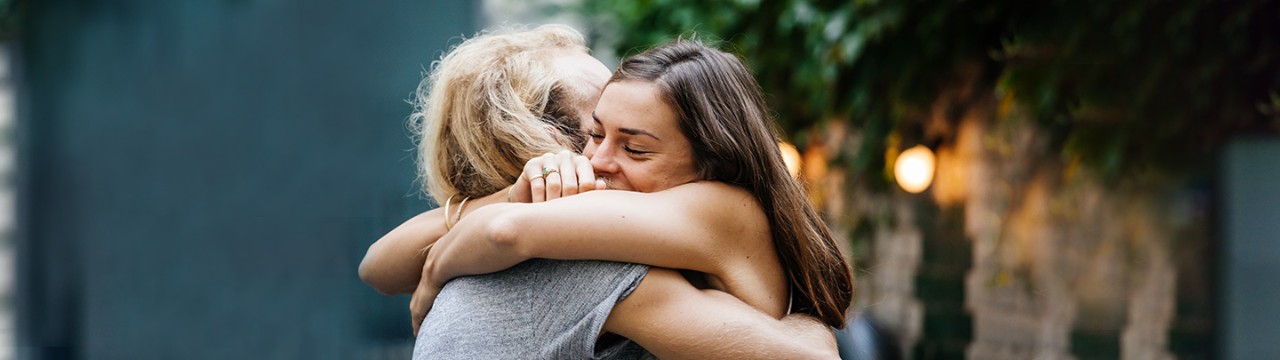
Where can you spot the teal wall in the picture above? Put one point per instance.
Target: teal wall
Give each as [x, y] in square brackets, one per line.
[199, 179]
[1251, 250]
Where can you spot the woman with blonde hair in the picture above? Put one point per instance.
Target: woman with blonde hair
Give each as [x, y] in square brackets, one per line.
[546, 308]
[486, 107]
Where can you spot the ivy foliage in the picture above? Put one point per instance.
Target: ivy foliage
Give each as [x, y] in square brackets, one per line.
[1122, 87]
[10, 19]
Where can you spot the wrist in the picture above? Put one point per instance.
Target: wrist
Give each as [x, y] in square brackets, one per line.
[430, 273]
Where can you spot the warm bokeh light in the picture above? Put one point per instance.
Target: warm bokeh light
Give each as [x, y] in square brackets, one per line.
[914, 169]
[791, 157]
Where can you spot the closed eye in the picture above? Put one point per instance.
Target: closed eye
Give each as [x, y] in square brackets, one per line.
[634, 151]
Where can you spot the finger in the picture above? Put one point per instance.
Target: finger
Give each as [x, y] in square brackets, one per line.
[424, 296]
[538, 182]
[602, 184]
[555, 184]
[417, 317]
[568, 176]
[532, 169]
[564, 154]
[586, 175]
[537, 189]
[416, 326]
[521, 191]
[420, 310]
[552, 179]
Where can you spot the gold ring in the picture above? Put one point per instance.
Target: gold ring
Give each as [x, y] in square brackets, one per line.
[549, 171]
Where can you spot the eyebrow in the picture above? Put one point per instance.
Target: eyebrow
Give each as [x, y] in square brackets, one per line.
[628, 131]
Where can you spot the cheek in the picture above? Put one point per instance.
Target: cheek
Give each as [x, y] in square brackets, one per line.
[692, 172]
[590, 148]
[655, 177]
[683, 168]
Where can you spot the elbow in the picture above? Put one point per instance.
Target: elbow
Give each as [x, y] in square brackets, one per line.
[811, 339]
[367, 272]
[828, 348]
[504, 233]
[823, 352]
[809, 350]
[367, 276]
[371, 275]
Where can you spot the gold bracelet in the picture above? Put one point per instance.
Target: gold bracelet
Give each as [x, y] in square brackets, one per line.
[447, 225]
[461, 206]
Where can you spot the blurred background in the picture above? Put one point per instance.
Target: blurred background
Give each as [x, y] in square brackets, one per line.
[1013, 179]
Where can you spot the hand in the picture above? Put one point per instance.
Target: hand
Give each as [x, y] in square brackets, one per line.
[423, 297]
[567, 173]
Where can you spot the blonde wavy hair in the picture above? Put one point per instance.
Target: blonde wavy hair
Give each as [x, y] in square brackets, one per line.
[487, 106]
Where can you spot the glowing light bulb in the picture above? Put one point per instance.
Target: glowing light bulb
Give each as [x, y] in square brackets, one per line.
[914, 169]
[791, 157]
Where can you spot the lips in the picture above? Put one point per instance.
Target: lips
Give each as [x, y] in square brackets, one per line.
[611, 184]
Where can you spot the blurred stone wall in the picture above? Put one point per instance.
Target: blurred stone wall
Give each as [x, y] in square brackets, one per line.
[7, 218]
[1016, 254]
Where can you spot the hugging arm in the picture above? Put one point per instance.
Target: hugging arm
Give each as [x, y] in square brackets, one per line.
[694, 226]
[393, 264]
[674, 320]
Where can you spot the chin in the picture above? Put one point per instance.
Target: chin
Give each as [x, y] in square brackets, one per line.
[611, 184]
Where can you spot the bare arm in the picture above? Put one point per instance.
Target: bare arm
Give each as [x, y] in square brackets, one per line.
[393, 264]
[697, 226]
[674, 320]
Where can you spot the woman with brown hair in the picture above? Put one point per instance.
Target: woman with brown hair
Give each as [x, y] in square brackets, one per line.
[685, 128]
[488, 104]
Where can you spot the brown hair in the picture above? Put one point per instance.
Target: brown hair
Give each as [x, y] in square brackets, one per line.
[723, 114]
[486, 106]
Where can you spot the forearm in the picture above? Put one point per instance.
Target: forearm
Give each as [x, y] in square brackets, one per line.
[671, 319]
[737, 331]
[393, 264]
[474, 246]
[812, 334]
[668, 229]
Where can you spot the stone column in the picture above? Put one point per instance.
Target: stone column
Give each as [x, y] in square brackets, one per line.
[7, 160]
[893, 281]
[1151, 301]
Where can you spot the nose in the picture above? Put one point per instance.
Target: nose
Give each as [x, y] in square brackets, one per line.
[602, 158]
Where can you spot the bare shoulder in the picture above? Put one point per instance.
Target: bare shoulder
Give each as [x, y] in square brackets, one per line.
[733, 210]
[714, 194]
[429, 215]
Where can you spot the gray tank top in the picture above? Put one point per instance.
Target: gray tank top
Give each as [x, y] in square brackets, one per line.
[540, 309]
